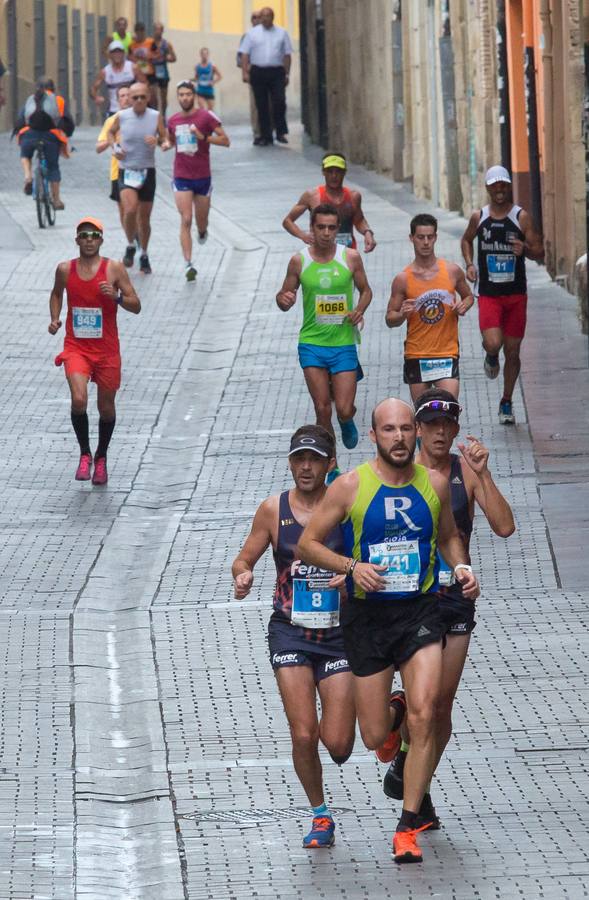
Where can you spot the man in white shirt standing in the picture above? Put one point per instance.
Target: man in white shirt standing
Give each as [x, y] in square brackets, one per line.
[266, 54]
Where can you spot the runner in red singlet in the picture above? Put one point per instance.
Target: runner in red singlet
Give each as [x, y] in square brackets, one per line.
[95, 287]
[348, 204]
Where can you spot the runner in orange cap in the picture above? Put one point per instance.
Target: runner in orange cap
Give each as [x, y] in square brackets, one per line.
[95, 287]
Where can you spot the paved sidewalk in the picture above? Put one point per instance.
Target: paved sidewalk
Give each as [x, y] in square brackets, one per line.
[145, 753]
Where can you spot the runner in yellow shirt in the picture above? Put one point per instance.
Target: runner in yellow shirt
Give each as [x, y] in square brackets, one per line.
[124, 98]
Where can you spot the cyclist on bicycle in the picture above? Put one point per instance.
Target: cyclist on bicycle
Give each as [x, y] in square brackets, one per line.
[44, 117]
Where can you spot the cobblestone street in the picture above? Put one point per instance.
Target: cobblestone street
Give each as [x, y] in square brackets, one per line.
[144, 749]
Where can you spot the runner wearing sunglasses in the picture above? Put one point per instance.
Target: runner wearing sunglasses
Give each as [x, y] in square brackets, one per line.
[424, 296]
[95, 287]
[141, 129]
[467, 473]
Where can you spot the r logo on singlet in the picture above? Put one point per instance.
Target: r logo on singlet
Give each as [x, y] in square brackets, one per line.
[394, 506]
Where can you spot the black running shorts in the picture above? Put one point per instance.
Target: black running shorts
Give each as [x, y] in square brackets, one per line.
[457, 613]
[383, 633]
[412, 372]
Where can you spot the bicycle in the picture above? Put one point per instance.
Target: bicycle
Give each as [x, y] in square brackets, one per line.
[41, 189]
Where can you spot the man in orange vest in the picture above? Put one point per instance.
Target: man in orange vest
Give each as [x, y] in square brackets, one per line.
[44, 117]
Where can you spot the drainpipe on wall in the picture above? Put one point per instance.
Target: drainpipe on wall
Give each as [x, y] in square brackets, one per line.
[549, 160]
[449, 101]
[503, 86]
[398, 99]
[532, 114]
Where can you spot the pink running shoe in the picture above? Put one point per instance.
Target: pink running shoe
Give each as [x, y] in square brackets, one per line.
[100, 475]
[84, 467]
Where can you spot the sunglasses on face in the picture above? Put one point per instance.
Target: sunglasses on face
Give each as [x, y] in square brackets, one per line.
[138, 96]
[90, 235]
[444, 405]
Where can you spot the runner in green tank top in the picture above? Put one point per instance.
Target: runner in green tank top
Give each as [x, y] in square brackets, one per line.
[328, 274]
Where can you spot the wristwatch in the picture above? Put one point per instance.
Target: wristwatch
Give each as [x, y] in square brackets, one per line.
[463, 566]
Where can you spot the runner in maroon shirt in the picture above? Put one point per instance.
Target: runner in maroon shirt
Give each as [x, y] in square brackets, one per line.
[193, 130]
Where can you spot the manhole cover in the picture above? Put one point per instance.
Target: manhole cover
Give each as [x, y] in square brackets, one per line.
[250, 818]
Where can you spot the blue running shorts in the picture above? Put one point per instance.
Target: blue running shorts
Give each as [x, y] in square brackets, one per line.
[334, 359]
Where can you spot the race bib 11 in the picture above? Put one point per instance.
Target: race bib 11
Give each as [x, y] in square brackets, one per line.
[501, 267]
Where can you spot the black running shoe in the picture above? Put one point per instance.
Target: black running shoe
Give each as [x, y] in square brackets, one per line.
[144, 264]
[393, 781]
[129, 256]
[427, 813]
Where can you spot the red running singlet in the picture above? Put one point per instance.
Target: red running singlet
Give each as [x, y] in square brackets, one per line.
[91, 324]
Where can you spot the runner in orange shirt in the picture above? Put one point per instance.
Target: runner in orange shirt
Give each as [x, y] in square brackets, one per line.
[142, 52]
[424, 296]
[347, 202]
[95, 287]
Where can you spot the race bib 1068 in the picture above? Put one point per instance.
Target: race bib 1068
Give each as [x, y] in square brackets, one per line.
[330, 309]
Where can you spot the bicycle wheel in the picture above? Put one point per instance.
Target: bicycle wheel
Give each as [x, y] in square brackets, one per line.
[39, 191]
[49, 210]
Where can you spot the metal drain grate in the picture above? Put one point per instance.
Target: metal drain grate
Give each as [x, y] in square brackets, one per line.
[249, 818]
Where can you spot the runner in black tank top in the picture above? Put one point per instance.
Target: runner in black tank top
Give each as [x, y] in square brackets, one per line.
[304, 637]
[505, 237]
[437, 413]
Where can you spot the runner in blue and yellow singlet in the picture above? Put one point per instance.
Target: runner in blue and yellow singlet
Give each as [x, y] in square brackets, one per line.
[328, 273]
[304, 635]
[395, 514]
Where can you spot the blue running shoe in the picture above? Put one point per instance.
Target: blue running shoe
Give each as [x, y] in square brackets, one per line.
[331, 476]
[506, 416]
[322, 834]
[349, 434]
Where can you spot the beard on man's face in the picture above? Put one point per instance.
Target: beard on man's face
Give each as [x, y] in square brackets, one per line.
[397, 462]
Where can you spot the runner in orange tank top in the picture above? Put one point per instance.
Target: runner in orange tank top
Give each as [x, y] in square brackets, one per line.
[424, 296]
[348, 204]
[95, 287]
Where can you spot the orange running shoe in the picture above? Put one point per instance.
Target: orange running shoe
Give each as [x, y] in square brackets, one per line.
[405, 846]
[387, 751]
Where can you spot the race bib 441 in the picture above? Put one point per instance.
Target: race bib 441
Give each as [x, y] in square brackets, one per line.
[403, 565]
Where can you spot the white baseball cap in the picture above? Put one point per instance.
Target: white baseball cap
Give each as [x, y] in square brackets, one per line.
[497, 173]
[116, 45]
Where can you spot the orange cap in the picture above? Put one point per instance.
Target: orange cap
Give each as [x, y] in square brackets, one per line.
[90, 220]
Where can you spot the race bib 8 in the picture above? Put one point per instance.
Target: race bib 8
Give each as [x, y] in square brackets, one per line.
[87, 322]
[330, 309]
[501, 267]
[134, 178]
[314, 605]
[434, 369]
[403, 565]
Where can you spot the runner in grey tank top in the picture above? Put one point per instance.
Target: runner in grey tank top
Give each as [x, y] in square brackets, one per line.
[138, 131]
[134, 129]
